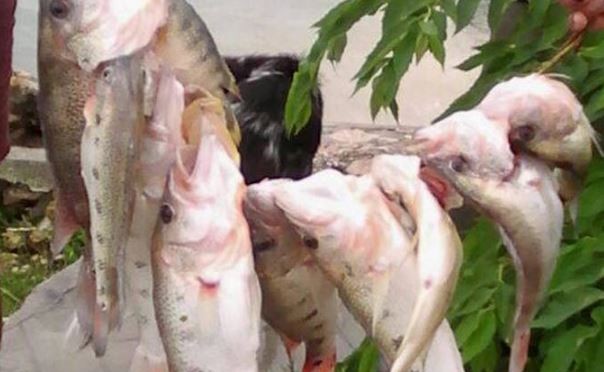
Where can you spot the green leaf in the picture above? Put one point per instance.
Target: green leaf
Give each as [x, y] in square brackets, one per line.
[477, 301]
[465, 12]
[537, 10]
[299, 106]
[596, 51]
[486, 361]
[437, 47]
[440, 20]
[482, 336]
[579, 265]
[467, 327]
[450, 9]
[555, 27]
[336, 48]
[386, 45]
[369, 359]
[595, 81]
[421, 48]
[496, 10]
[562, 350]
[591, 201]
[363, 359]
[564, 305]
[397, 11]
[428, 27]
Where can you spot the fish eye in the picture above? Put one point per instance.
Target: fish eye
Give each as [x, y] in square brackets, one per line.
[459, 164]
[525, 133]
[166, 213]
[310, 242]
[59, 8]
[107, 74]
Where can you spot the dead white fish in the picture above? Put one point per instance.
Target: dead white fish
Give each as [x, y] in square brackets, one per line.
[546, 119]
[298, 301]
[97, 31]
[161, 140]
[114, 123]
[439, 251]
[519, 195]
[206, 293]
[348, 225]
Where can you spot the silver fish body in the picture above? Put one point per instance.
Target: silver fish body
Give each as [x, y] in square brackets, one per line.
[110, 144]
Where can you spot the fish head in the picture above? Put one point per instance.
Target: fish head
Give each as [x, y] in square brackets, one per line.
[259, 206]
[466, 146]
[96, 31]
[204, 195]
[466, 151]
[276, 244]
[544, 118]
[204, 107]
[343, 218]
[118, 91]
[320, 208]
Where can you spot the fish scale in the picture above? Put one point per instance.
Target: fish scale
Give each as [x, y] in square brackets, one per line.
[109, 146]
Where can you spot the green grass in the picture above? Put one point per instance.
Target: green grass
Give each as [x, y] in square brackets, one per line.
[25, 259]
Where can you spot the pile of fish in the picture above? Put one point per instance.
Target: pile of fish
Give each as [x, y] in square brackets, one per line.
[135, 104]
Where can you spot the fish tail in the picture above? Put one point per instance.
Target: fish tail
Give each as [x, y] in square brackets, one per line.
[520, 347]
[100, 332]
[85, 301]
[146, 361]
[326, 363]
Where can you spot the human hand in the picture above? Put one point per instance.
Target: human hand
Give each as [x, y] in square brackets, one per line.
[585, 14]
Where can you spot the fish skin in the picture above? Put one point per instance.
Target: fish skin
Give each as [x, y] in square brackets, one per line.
[97, 31]
[206, 293]
[439, 252]
[297, 299]
[357, 235]
[94, 32]
[64, 89]
[559, 130]
[161, 139]
[187, 46]
[524, 204]
[110, 143]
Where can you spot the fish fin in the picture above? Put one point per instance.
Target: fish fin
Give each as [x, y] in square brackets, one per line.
[232, 125]
[290, 346]
[595, 136]
[519, 353]
[380, 286]
[85, 298]
[76, 338]
[573, 211]
[325, 364]
[145, 361]
[105, 320]
[65, 225]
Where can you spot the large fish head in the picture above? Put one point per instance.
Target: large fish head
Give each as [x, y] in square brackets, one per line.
[204, 195]
[95, 31]
[344, 218]
[316, 209]
[545, 118]
[467, 148]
